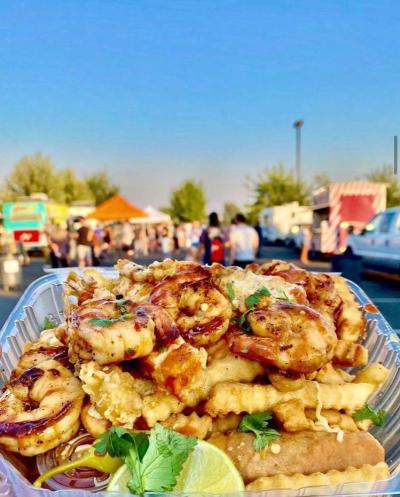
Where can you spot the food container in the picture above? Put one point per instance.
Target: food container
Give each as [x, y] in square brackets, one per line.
[43, 299]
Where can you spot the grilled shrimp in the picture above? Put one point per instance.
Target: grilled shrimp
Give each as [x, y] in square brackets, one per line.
[291, 337]
[322, 294]
[40, 408]
[111, 331]
[200, 310]
[49, 346]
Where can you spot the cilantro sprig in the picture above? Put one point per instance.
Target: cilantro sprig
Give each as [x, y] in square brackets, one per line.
[154, 460]
[48, 324]
[257, 423]
[121, 306]
[254, 299]
[251, 301]
[124, 314]
[367, 412]
[231, 291]
[104, 322]
[282, 295]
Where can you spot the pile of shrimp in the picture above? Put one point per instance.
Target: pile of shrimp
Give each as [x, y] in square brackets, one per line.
[151, 344]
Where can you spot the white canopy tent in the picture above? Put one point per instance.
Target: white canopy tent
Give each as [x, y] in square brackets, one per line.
[154, 216]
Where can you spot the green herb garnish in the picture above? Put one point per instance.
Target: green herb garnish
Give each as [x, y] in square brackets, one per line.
[48, 324]
[251, 301]
[102, 322]
[241, 321]
[231, 291]
[255, 297]
[258, 424]
[121, 306]
[117, 441]
[367, 412]
[154, 460]
[282, 295]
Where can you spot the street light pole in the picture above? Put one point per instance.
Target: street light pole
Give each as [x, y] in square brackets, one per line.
[297, 125]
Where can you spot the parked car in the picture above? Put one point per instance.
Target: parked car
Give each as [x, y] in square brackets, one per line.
[379, 243]
[294, 237]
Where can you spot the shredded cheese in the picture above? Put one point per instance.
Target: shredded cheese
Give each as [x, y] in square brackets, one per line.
[275, 448]
[321, 421]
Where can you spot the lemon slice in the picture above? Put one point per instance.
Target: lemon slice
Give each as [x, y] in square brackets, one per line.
[207, 469]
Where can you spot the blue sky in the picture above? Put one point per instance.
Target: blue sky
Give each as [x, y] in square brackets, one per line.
[158, 91]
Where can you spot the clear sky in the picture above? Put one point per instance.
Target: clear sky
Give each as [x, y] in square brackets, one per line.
[158, 91]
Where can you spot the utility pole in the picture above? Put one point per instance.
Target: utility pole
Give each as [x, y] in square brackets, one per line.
[297, 125]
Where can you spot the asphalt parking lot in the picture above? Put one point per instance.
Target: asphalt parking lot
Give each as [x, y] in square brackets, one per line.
[383, 292]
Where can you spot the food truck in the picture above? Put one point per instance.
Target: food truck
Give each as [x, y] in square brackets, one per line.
[343, 208]
[278, 223]
[25, 220]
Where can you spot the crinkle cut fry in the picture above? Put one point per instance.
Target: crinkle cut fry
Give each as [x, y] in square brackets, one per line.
[192, 425]
[240, 397]
[350, 354]
[201, 426]
[350, 322]
[294, 417]
[366, 473]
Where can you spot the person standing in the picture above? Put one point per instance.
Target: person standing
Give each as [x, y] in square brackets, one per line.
[84, 244]
[166, 242]
[212, 241]
[58, 245]
[305, 244]
[127, 238]
[244, 242]
[195, 234]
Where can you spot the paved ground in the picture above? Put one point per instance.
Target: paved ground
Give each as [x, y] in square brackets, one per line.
[385, 294]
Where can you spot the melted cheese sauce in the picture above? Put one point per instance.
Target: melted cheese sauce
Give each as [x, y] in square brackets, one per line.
[322, 422]
[246, 283]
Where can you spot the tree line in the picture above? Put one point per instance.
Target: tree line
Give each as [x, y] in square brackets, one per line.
[37, 174]
[274, 186]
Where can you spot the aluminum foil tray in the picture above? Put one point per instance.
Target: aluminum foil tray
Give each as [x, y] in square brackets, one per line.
[43, 298]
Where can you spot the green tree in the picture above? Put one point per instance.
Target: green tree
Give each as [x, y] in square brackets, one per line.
[187, 202]
[276, 186]
[100, 187]
[32, 174]
[72, 187]
[230, 211]
[386, 175]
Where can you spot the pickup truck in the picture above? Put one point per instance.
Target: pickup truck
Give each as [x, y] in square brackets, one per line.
[378, 244]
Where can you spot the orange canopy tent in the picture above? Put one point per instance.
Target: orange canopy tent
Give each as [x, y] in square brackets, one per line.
[116, 208]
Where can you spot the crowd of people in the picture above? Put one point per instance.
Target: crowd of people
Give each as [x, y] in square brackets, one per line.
[83, 244]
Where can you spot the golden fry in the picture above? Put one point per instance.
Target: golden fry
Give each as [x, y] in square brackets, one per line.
[294, 417]
[239, 397]
[367, 473]
[374, 373]
[349, 354]
[192, 425]
[350, 322]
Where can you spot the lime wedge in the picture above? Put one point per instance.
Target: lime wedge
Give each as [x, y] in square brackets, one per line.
[119, 481]
[207, 469]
